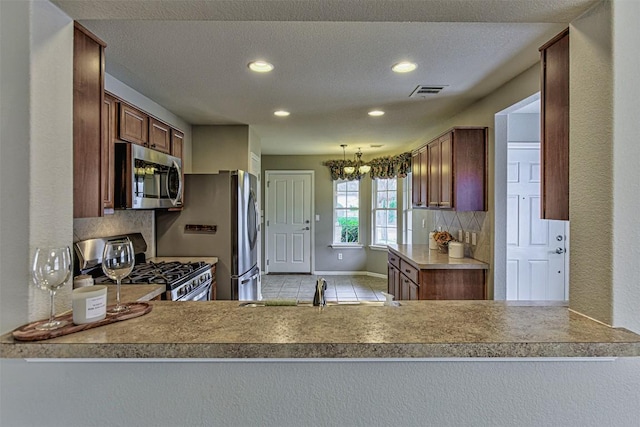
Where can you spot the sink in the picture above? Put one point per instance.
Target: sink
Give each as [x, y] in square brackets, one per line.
[276, 303]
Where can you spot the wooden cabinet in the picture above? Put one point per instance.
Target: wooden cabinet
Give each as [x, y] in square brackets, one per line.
[109, 132]
[554, 147]
[419, 160]
[393, 276]
[159, 136]
[88, 93]
[402, 278]
[133, 125]
[455, 176]
[177, 143]
[407, 282]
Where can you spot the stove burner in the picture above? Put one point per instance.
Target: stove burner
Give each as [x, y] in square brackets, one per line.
[166, 273]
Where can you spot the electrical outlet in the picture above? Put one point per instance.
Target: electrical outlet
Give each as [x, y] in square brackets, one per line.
[459, 235]
[340, 255]
[466, 237]
[474, 239]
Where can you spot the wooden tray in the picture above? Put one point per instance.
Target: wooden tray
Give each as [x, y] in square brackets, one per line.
[29, 332]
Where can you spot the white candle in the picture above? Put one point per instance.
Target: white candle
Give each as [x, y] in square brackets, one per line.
[89, 304]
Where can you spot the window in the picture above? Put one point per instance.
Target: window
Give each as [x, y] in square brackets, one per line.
[385, 211]
[407, 210]
[346, 212]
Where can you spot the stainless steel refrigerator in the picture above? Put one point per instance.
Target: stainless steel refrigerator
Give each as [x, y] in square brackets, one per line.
[220, 218]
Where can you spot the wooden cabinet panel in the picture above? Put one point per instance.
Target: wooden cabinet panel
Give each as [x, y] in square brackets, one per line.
[446, 172]
[410, 283]
[434, 174]
[554, 147]
[177, 143]
[410, 271]
[109, 131]
[452, 284]
[419, 177]
[134, 125]
[88, 93]
[394, 260]
[159, 136]
[393, 282]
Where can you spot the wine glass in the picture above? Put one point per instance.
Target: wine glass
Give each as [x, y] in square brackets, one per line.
[50, 270]
[117, 263]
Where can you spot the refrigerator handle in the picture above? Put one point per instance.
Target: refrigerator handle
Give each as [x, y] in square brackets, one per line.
[255, 276]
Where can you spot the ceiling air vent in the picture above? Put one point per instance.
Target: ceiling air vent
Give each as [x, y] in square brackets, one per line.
[424, 90]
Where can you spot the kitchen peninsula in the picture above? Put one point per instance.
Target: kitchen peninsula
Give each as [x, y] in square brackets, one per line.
[415, 330]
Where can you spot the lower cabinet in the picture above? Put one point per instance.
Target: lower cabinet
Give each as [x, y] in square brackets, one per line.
[406, 282]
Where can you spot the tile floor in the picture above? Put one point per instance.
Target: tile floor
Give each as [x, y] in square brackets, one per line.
[339, 288]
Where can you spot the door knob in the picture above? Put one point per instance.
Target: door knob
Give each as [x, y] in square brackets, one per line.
[306, 228]
[559, 250]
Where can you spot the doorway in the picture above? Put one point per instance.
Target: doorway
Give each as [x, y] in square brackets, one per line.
[289, 227]
[531, 254]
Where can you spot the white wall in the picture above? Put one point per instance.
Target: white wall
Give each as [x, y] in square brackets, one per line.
[626, 158]
[524, 393]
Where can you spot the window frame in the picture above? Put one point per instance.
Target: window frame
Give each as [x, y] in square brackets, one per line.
[375, 209]
[335, 243]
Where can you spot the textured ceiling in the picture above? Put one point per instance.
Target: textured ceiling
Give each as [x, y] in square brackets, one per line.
[191, 57]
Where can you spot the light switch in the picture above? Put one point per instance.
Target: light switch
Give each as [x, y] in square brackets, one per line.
[466, 237]
[317, 218]
[474, 239]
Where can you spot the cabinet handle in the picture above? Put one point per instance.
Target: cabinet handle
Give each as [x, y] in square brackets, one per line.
[407, 270]
[153, 145]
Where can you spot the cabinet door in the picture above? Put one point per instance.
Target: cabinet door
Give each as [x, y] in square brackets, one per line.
[393, 281]
[419, 179]
[134, 125]
[109, 124]
[554, 147]
[177, 141]
[88, 93]
[446, 171]
[433, 155]
[409, 290]
[159, 136]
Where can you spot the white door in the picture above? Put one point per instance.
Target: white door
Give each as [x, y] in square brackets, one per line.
[288, 222]
[536, 248]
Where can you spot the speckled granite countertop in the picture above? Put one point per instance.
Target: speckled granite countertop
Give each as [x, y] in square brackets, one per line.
[421, 257]
[417, 329]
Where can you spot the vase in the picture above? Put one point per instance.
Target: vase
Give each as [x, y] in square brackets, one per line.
[443, 248]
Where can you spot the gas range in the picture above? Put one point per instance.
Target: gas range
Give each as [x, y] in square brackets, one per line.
[185, 281]
[182, 279]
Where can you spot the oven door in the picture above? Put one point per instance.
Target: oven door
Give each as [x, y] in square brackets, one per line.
[202, 293]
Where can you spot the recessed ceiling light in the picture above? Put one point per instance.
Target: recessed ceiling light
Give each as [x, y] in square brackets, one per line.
[404, 67]
[281, 113]
[376, 113]
[260, 66]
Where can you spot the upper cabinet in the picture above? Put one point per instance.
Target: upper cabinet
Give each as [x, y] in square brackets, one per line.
[134, 125]
[554, 147]
[109, 132]
[177, 143]
[455, 176]
[419, 167]
[159, 136]
[88, 149]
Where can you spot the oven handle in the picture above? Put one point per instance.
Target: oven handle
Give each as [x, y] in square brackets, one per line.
[197, 292]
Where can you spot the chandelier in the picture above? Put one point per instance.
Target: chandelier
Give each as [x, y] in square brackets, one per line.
[360, 166]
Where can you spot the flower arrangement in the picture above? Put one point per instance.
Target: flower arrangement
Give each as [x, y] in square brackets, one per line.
[443, 238]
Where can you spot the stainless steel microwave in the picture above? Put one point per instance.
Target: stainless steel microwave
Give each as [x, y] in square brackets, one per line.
[146, 179]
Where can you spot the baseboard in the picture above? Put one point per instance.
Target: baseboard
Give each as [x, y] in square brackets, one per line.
[349, 273]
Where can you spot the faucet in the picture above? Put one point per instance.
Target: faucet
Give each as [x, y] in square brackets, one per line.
[319, 299]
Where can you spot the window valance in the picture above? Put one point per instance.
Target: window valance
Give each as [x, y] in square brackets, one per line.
[381, 167]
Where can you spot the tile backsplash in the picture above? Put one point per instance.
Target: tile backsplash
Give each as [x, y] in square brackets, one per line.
[121, 222]
[472, 222]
